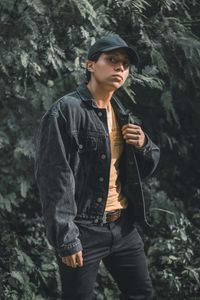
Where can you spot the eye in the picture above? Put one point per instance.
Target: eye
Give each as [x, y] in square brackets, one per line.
[126, 64]
[112, 59]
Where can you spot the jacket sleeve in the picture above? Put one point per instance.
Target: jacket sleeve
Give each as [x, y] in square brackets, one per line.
[56, 184]
[147, 158]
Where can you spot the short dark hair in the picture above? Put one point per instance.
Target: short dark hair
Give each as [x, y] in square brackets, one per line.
[94, 58]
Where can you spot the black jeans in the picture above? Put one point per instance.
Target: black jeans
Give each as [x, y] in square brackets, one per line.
[120, 247]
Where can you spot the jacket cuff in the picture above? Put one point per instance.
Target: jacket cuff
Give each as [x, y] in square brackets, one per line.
[70, 249]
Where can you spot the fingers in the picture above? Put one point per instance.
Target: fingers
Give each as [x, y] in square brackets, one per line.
[133, 134]
[131, 131]
[73, 260]
[79, 259]
[130, 125]
[69, 261]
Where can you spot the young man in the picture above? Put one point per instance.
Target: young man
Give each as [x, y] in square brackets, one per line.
[90, 159]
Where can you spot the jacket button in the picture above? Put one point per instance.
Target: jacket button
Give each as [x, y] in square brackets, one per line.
[103, 156]
[96, 221]
[80, 146]
[100, 114]
[101, 179]
[99, 199]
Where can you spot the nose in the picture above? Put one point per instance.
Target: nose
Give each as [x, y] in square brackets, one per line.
[119, 66]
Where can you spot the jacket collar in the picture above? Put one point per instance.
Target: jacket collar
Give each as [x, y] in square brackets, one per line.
[86, 96]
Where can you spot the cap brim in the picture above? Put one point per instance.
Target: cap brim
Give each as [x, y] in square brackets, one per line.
[134, 58]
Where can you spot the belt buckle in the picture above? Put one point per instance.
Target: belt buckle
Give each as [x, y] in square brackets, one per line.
[104, 217]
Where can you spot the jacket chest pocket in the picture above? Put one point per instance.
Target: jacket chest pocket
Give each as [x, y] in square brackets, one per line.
[84, 143]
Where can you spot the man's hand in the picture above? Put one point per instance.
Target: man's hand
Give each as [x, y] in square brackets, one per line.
[134, 135]
[73, 260]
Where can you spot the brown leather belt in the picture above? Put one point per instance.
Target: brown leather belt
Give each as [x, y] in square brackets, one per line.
[111, 216]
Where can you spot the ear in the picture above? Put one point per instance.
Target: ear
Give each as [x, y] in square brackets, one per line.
[90, 65]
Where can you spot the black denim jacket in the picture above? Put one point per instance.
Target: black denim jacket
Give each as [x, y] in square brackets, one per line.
[72, 167]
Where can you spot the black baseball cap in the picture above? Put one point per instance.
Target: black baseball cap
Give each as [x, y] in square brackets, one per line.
[112, 42]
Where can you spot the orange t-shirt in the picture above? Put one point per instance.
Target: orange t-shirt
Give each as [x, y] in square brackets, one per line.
[115, 198]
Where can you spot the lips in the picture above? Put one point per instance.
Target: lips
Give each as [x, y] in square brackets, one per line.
[119, 77]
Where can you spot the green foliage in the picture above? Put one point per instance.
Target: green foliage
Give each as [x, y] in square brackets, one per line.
[26, 265]
[173, 248]
[43, 48]
[137, 6]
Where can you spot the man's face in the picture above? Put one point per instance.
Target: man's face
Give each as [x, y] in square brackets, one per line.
[111, 69]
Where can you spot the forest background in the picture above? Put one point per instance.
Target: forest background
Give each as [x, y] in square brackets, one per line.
[43, 46]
